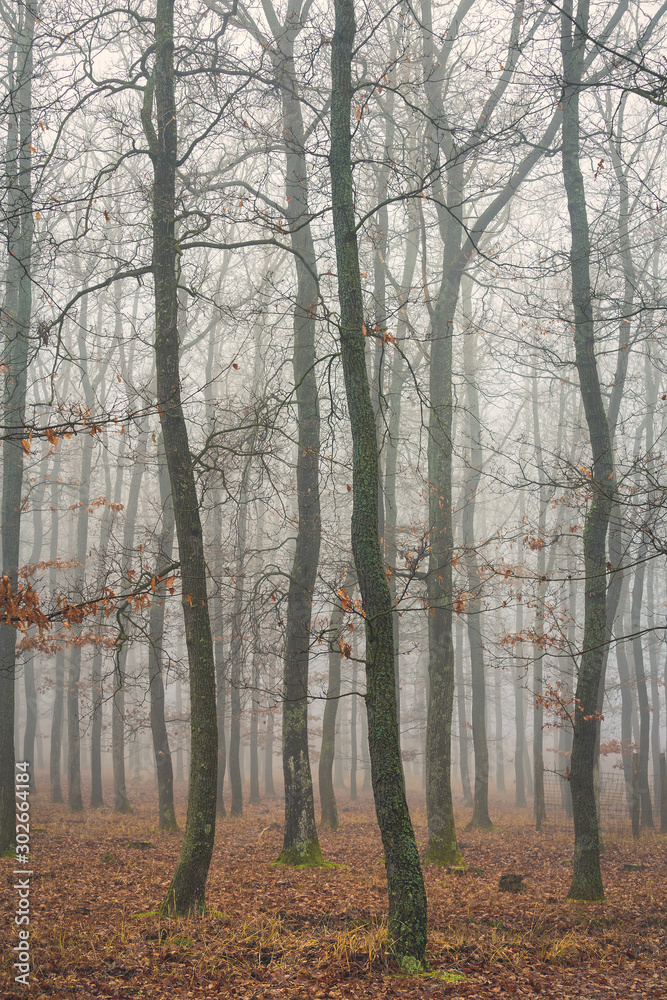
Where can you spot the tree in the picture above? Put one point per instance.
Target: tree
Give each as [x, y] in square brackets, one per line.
[407, 897]
[16, 314]
[187, 889]
[586, 876]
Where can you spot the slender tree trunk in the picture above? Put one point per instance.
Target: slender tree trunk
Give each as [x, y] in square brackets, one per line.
[500, 759]
[625, 685]
[29, 664]
[268, 746]
[57, 711]
[327, 752]
[353, 736]
[539, 806]
[162, 752]
[188, 886]
[393, 402]
[519, 700]
[480, 808]
[220, 678]
[464, 742]
[121, 802]
[180, 771]
[642, 692]
[254, 730]
[587, 877]
[300, 843]
[407, 896]
[236, 654]
[16, 322]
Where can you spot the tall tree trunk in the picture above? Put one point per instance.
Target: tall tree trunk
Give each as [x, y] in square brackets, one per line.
[16, 322]
[353, 734]
[220, 677]
[96, 794]
[57, 711]
[587, 877]
[328, 805]
[268, 746]
[393, 403]
[74, 796]
[539, 806]
[519, 700]
[480, 807]
[642, 692]
[300, 843]
[236, 652]
[500, 759]
[254, 796]
[464, 741]
[163, 762]
[625, 685]
[121, 802]
[407, 896]
[29, 664]
[188, 886]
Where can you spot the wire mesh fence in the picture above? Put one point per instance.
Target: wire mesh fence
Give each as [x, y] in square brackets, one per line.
[615, 805]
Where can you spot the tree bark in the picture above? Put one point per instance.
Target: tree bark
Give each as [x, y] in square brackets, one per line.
[300, 843]
[464, 742]
[642, 692]
[162, 752]
[407, 897]
[329, 817]
[121, 802]
[16, 322]
[480, 806]
[186, 892]
[587, 877]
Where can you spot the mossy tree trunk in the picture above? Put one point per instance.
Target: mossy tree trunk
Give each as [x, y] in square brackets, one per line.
[587, 877]
[187, 890]
[407, 896]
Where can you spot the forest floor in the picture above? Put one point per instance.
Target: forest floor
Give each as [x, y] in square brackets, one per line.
[284, 933]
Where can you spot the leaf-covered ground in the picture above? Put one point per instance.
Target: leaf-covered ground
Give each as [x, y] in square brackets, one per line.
[284, 933]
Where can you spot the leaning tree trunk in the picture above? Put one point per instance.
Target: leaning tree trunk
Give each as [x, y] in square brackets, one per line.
[587, 877]
[188, 885]
[407, 896]
[16, 323]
